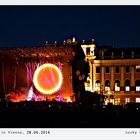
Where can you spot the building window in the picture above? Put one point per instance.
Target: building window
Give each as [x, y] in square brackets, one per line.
[137, 85]
[92, 51]
[117, 85]
[127, 100]
[97, 85]
[107, 69]
[87, 51]
[127, 69]
[137, 88]
[138, 68]
[137, 100]
[107, 85]
[88, 86]
[127, 85]
[127, 88]
[117, 69]
[98, 70]
[117, 101]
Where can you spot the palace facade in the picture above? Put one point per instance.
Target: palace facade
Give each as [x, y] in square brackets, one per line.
[114, 72]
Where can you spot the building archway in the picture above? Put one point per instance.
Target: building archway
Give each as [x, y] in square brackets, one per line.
[127, 85]
[107, 85]
[137, 85]
[117, 85]
[97, 85]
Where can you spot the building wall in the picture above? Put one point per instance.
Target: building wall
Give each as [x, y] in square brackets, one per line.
[132, 76]
[111, 95]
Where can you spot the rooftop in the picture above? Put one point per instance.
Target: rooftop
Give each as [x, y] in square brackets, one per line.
[44, 52]
[108, 52]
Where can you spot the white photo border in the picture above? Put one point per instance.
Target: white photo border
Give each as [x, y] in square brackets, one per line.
[70, 134]
[69, 2]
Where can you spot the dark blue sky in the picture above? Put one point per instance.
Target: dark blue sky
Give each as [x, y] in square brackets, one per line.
[33, 25]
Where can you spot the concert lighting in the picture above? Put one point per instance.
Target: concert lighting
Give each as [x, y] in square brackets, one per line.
[47, 78]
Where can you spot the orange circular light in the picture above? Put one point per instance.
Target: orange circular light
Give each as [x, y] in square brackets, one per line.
[47, 78]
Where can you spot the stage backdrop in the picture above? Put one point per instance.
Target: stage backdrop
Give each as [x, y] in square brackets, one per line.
[19, 64]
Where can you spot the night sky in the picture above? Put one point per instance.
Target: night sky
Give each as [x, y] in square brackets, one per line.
[33, 25]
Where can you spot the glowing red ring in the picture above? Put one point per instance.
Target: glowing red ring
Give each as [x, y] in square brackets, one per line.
[35, 79]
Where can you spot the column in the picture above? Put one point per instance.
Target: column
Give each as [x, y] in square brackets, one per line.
[102, 78]
[94, 77]
[112, 78]
[122, 82]
[92, 73]
[132, 83]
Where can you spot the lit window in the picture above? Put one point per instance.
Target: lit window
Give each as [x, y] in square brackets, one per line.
[117, 85]
[137, 84]
[127, 100]
[107, 85]
[92, 51]
[97, 85]
[137, 88]
[117, 88]
[107, 88]
[137, 100]
[88, 84]
[117, 101]
[127, 88]
[127, 85]
[138, 68]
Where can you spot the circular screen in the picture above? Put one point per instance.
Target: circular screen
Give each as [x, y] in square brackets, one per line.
[47, 78]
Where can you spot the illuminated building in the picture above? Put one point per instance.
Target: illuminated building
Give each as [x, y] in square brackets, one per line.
[114, 72]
